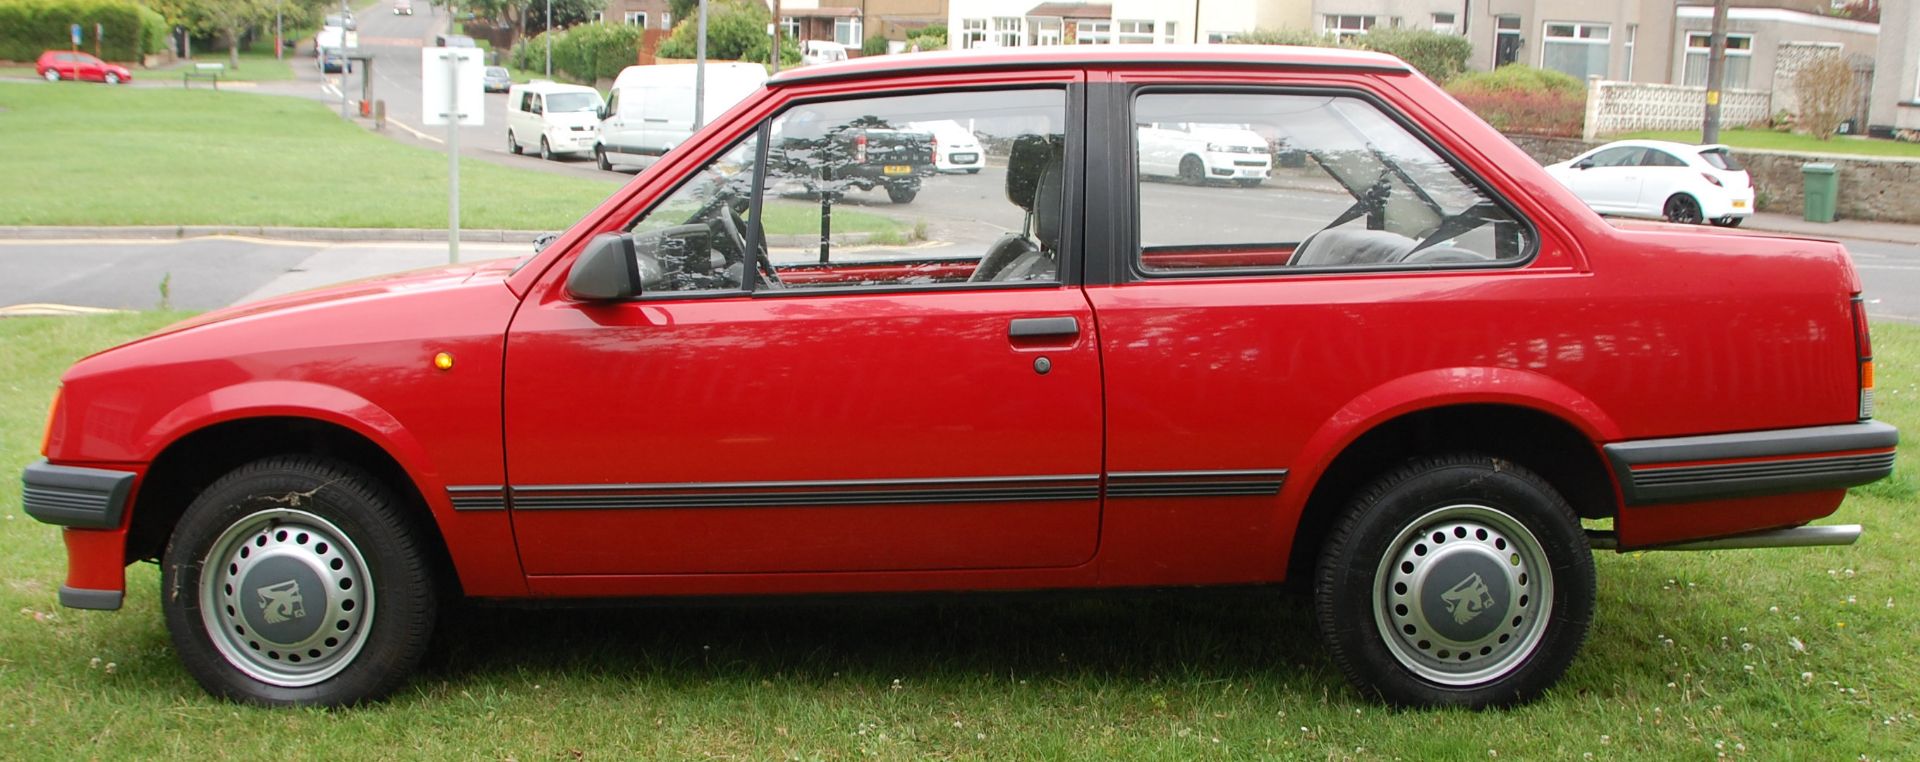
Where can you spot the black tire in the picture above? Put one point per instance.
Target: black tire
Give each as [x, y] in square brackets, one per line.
[1681, 208]
[52, 75]
[1728, 222]
[974, 171]
[600, 158]
[546, 151]
[111, 78]
[1193, 171]
[346, 550]
[513, 146]
[902, 194]
[1371, 591]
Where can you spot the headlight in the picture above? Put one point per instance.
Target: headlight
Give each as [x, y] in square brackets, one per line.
[1216, 147]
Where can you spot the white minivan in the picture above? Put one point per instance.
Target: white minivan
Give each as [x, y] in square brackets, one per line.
[558, 118]
[650, 109]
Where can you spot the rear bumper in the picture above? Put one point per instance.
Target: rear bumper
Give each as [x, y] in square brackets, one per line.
[1752, 464]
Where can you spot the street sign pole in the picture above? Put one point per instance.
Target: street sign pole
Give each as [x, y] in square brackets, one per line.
[700, 71]
[453, 158]
[549, 36]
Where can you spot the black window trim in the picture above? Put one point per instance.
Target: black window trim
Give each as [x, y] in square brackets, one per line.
[1123, 152]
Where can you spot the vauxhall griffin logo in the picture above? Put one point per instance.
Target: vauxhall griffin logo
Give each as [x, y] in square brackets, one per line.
[279, 603]
[1467, 599]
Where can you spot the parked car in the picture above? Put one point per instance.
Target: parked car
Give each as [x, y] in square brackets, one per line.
[1657, 178]
[453, 41]
[332, 61]
[955, 148]
[402, 7]
[821, 51]
[563, 118]
[1405, 383]
[843, 154]
[1201, 153]
[650, 108]
[496, 79]
[56, 65]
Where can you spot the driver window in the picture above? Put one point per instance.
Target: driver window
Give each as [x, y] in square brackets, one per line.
[1238, 182]
[696, 239]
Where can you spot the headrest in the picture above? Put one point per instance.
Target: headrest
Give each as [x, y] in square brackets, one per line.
[1025, 162]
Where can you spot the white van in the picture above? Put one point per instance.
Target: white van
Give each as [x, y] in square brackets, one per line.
[557, 118]
[821, 51]
[650, 109]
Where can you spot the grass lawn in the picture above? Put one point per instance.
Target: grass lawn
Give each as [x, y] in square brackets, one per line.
[255, 65]
[1760, 654]
[121, 156]
[18, 71]
[1768, 140]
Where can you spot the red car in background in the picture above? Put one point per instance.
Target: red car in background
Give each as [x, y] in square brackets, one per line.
[1404, 376]
[57, 65]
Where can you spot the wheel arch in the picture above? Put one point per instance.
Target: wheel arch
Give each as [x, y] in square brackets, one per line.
[1535, 421]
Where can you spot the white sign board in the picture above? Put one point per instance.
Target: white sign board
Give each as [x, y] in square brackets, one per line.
[450, 87]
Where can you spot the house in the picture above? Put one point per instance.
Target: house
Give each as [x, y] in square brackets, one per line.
[975, 24]
[1895, 106]
[646, 14]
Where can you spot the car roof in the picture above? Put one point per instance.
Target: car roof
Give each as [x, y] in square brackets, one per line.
[1279, 56]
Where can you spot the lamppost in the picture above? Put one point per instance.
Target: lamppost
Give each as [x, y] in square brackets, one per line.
[549, 36]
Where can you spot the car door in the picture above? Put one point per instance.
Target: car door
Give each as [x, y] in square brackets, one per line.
[1662, 175]
[875, 409]
[1612, 182]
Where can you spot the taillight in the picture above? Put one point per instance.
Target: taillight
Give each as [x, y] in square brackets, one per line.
[860, 149]
[1863, 344]
[1712, 179]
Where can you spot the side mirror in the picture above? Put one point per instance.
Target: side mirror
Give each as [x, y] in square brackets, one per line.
[601, 112]
[606, 271]
[1583, 164]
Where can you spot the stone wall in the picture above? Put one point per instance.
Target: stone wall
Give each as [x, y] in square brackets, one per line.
[1871, 188]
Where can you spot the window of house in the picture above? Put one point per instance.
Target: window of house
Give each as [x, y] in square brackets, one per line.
[1045, 31]
[1368, 193]
[1739, 59]
[1092, 32]
[789, 28]
[846, 31]
[637, 18]
[973, 33]
[1341, 26]
[666, 20]
[1444, 23]
[1009, 31]
[1219, 38]
[1578, 49]
[1170, 32]
[1626, 68]
[1134, 32]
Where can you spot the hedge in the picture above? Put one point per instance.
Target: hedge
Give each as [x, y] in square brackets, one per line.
[1439, 56]
[1522, 100]
[586, 52]
[30, 27]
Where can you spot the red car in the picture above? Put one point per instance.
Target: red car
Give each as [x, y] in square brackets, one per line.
[1402, 373]
[57, 65]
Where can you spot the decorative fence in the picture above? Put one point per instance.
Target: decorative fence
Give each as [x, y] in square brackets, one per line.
[1615, 107]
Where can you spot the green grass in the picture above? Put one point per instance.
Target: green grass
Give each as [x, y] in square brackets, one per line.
[255, 65]
[1691, 656]
[18, 71]
[122, 156]
[1768, 140]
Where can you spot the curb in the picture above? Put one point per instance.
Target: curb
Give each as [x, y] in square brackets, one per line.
[162, 232]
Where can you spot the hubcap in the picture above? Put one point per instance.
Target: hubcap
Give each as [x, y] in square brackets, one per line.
[286, 598]
[1463, 595]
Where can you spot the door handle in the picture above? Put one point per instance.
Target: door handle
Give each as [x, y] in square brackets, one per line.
[1026, 328]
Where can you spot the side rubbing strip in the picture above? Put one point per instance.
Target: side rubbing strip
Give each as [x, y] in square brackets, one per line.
[483, 497]
[806, 493]
[1194, 483]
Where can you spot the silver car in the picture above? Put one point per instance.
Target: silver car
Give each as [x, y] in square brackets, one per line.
[496, 79]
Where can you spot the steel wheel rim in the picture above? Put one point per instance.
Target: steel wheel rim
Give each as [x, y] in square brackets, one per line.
[1508, 577]
[289, 638]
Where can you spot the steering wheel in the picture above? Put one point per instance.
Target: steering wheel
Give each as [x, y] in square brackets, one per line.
[733, 224]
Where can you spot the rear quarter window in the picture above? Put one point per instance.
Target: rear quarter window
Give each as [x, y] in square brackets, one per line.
[1720, 158]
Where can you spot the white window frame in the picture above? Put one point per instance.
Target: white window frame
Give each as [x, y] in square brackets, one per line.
[1705, 51]
[844, 24]
[1092, 32]
[1135, 32]
[1009, 31]
[1580, 34]
[636, 17]
[1633, 32]
[1342, 26]
[1450, 25]
[790, 28]
[973, 33]
[1170, 32]
[1219, 38]
[666, 19]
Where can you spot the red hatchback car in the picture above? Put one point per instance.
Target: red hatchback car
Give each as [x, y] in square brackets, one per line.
[1402, 369]
[57, 65]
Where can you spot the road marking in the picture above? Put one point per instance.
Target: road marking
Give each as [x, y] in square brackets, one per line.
[328, 88]
[416, 133]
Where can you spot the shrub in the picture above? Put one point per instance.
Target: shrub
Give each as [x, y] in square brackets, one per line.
[585, 52]
[1439, 56]
[874, 46]
[1824, 88]
[736, 30]
[1525, 101]
[30, 27]
[1286, 37]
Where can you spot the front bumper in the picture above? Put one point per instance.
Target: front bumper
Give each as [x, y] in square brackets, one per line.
[91, 503]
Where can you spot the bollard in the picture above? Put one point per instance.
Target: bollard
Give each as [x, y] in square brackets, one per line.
[366, 109]
[380, 114]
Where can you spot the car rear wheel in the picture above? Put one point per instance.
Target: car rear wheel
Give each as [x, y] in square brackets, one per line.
[902, 194]
[513, 146]
[298, 581]
[1461, 580]
[1683, 209]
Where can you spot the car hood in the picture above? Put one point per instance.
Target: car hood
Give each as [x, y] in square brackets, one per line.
[369, 288]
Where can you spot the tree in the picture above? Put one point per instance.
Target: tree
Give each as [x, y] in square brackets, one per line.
[229, 19]
[736, 30]
[1825, 90]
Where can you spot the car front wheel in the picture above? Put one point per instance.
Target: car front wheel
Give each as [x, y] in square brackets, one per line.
[52, 75]
[1461, 580]
[298, 581]
[513, 146]
[546, 151]
[112, 78]
[600, 159]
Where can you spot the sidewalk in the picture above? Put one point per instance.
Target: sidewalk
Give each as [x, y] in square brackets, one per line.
[1890, 232]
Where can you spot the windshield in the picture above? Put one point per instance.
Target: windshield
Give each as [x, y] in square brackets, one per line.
[1720, 158]
[496, 71]
[560, 103]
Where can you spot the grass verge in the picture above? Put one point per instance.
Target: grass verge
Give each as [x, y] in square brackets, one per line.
[1769, 654]
[255, 65]
[1768, 140]
[124, 156]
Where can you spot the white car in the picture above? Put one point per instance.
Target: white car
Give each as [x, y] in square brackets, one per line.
[1657, 178]
[1199, 153]
[559, 118]
[956, 150]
